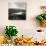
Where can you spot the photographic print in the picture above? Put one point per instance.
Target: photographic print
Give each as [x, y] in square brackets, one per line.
[17, 11]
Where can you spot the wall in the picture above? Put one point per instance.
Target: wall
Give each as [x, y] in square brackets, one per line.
[25, 27]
